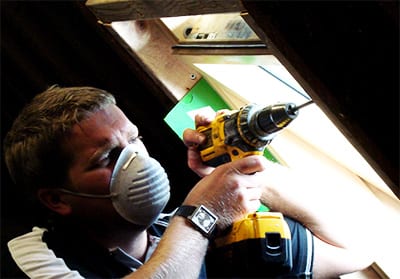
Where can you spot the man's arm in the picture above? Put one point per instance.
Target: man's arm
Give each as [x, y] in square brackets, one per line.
[229, 192]
[179, 254]
[340, 213]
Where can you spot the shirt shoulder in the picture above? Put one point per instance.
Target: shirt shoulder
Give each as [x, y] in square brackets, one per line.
[35, 259]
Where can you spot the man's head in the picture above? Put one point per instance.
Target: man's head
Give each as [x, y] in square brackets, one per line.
[82, 157]
[33, 151]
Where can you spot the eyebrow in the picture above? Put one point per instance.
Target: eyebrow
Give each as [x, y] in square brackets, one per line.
[108, 146]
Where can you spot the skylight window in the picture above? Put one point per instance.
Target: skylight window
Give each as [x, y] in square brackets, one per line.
[240, 84]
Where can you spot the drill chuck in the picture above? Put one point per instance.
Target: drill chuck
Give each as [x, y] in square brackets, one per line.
[272, 119]
[258, 126]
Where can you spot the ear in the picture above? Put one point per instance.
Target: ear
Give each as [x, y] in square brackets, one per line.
[52, 199]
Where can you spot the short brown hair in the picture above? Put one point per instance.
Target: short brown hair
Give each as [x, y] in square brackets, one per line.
[33, 152]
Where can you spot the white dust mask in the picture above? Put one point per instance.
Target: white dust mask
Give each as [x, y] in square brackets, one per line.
[139, 187]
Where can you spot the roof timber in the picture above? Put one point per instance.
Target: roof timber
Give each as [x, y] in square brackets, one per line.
[119, 10]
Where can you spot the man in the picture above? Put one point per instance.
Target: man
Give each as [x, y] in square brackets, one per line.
[78, 153]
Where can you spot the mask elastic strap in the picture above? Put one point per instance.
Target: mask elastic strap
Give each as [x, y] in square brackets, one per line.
[85, 195]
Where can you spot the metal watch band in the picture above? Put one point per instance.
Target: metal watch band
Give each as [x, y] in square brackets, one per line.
[200, 217]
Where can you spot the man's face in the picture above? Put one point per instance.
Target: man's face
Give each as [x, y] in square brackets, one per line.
[95, 144]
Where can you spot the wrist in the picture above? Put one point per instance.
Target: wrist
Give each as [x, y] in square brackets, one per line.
[200, 218]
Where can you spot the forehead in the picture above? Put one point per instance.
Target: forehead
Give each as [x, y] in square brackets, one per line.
[101, 127]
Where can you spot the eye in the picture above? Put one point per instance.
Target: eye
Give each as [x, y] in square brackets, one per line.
[108, 158]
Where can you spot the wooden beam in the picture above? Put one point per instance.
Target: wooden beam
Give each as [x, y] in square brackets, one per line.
[149, 42]
[120, 10]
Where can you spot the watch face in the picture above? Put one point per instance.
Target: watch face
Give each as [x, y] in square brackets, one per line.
[204, 219]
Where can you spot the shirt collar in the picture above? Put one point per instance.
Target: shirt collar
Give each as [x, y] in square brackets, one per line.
[132, 263]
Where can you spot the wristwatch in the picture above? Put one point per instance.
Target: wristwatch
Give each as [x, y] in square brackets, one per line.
[200, 217]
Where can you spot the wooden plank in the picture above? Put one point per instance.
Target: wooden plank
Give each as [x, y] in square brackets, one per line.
[198, 52]
[149, 42]
[119, 10]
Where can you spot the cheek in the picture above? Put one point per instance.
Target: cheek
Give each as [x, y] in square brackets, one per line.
[94, 182]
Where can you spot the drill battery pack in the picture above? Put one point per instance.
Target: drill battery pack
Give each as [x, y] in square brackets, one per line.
[257, 245]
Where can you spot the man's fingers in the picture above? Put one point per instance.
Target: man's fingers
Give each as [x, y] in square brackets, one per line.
[249, 164]
[192, 138]
[254, 193]
[203, 120]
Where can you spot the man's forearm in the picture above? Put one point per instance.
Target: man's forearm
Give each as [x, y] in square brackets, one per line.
[336, 208]
[179, 254]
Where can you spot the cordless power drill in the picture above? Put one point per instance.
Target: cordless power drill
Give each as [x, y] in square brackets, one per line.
[261, 242]
[244, 132]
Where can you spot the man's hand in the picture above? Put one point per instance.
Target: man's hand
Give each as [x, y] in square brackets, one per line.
[231, 190]
[192, 139]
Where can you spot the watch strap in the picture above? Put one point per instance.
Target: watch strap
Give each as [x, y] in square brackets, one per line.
[185, 210]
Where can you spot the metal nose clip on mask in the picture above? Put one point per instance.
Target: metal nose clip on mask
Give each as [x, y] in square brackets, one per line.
[139, 187]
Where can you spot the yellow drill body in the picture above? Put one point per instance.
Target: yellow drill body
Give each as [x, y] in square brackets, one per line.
[244, 132]
[216, 150]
